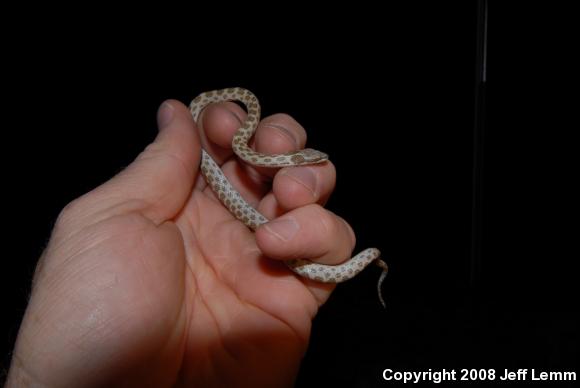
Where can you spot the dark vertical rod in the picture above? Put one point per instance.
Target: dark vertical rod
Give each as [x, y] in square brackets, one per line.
[478, 144]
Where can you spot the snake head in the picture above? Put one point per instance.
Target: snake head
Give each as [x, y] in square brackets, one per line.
[309, 156]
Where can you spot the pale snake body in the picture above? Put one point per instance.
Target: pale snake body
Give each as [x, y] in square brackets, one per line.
[244, 212]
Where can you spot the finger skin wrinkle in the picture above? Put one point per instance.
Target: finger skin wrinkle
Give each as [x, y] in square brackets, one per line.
[188, 170]
[281, 138]
[66, 220]
[349, 231]
[21, 376]
[329, 225]
[286, 124]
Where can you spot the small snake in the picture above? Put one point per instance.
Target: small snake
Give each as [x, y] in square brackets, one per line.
[244, 212]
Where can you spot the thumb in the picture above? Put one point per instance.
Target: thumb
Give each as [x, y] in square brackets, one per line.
[160, 180]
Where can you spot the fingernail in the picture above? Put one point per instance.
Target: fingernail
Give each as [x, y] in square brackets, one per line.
[283, 228]
[165, 115]
[304, 176]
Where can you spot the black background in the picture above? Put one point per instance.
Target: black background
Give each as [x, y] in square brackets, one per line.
[390, 95]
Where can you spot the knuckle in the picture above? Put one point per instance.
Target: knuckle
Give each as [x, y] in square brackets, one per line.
[70, 211]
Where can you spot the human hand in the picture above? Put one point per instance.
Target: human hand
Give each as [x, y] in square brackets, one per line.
[149, 281]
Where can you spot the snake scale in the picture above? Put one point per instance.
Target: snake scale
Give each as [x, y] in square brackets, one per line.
[244, 212]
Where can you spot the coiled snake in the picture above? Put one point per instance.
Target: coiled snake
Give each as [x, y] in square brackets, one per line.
[244, 212]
